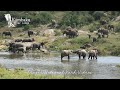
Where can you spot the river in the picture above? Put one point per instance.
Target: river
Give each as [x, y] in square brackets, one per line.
[102, 68]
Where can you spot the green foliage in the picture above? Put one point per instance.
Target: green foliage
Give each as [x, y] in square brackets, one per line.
[26, 27]
[42, 18]
[98, 14]
[75, 19]
[117, 29]
[70, 19]
[92, 28]
[115, 51]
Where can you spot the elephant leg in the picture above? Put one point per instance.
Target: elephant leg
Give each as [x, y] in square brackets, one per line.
[79, 56]
[96, 56]
[88, 56]
[91, 57]
[83, 57]
[68, 57]
[61, 57]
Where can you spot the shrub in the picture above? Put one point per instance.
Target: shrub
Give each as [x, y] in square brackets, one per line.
[42, 18]
[70, 19]
[26, 27]
[98, 14]
[117, 29]
[115, 51]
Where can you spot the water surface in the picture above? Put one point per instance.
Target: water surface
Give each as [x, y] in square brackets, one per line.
[102, 68]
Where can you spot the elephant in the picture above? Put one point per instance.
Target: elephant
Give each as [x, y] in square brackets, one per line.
[18, 40]
[36, 45]
[43, 44]
[99, 35]
[111, 27]
[15, 47]
[28, 48]
[103, 32]
[21, 49]
[92, 54]
[94, 39]
[28, 40]
[30, 33]
[7, 34]
[66, 53]
[80, 53]
[103, 22]
[70, 33]
[89, 35]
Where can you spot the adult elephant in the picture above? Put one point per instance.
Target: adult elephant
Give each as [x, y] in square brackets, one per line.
[111, 27]
[7, 34]
[89, 35]
[30, 33]
[21, 49]
[70, 33]
[15, 47]
[36, 45]
[92, 54]
[99, 35]
[43, 44]
[103, 32]
[103, 22]
[66, 53]
[80, 53]
[94, 39]
[28, 40]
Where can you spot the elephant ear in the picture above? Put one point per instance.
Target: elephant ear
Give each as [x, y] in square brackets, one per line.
[96, 51]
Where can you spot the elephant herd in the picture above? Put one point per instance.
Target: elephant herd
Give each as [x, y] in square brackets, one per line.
[23, 47]
[92, 54]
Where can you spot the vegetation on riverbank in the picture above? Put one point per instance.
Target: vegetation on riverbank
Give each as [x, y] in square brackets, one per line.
[19, 73]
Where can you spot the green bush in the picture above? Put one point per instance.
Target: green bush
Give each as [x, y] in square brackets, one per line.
[98, 14]
[115, 51]
[76, 18]
[70, 19]
[42, 18]
[26, 27]
[117, 29]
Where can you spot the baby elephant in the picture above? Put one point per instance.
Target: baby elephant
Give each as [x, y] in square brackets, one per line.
[93, 54]
[80, 53]
[66, 53]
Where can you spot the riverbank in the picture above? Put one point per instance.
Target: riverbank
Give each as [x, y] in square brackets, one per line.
[22, 74]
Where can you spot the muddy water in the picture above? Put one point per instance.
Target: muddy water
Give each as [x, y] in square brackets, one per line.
[102, 68]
